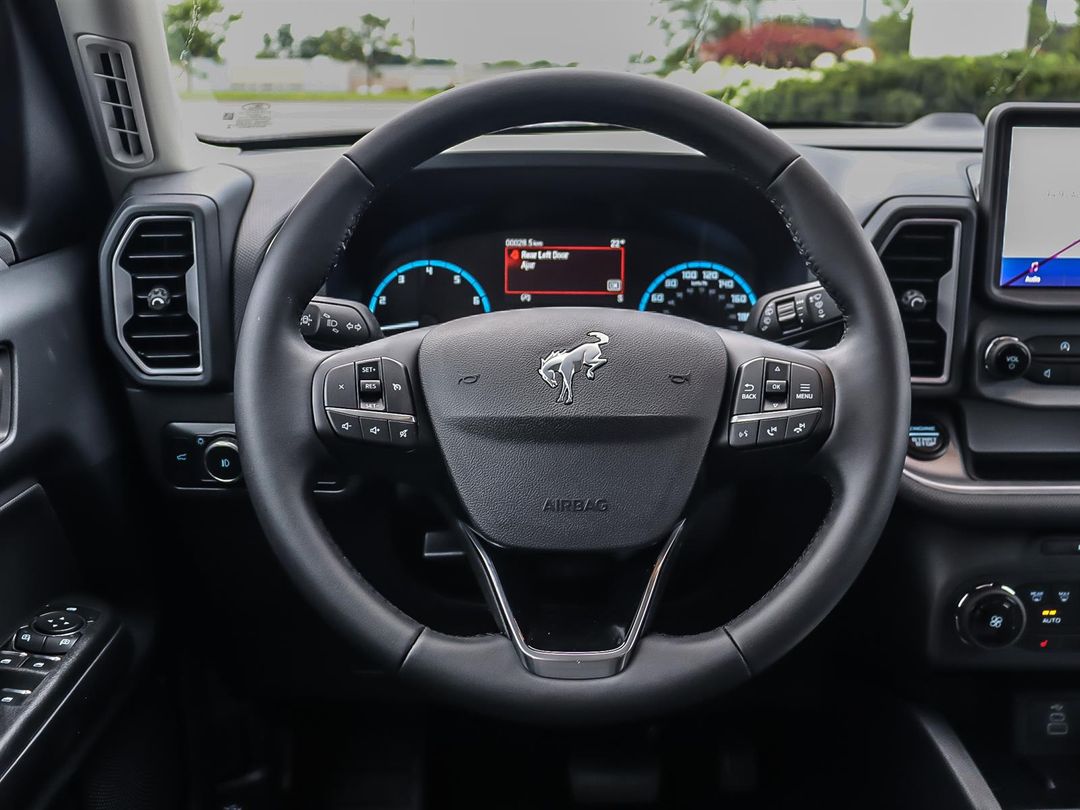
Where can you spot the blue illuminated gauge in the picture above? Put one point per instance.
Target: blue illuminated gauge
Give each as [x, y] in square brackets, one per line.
[425, 292]
[702, 291]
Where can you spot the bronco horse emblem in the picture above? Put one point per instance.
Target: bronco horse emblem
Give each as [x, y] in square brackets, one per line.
[568, 362]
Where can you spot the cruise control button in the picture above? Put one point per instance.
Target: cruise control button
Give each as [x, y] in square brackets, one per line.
[773, 430]
[341, 387]
[743, 434]
[376, 431]
[799, 427]
[396, 387]
[344, 424]
[368, 370]
[403, 434]
[805, 391]
[748, 387]
[58, 645]
[370, 389]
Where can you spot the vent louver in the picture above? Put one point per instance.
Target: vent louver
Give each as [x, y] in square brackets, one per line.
[920, 258]
[156, 293]
[114, 90]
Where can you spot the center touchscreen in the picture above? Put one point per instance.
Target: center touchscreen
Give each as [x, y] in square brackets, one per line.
[1041, 238]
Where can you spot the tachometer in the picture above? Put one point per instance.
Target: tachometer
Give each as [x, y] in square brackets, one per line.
[703, 291]
[425, 292]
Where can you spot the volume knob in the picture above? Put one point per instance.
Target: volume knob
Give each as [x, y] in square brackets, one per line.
[1007, 357]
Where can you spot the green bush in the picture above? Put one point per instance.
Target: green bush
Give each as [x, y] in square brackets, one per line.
[898, 90]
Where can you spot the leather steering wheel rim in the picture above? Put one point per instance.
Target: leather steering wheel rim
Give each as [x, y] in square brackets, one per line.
[863, 455]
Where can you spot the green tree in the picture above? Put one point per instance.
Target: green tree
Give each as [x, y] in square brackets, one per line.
[370, 44]
[687, 24]
[890, 34]
[196, 28]
[279, 46]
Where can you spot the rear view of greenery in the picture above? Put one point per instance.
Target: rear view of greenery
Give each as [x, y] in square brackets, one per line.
[893, 88]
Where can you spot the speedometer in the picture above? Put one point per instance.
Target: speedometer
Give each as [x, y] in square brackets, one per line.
[424, 292]
[702, 291]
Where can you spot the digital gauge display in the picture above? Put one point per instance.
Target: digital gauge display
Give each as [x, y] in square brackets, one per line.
[571, 267]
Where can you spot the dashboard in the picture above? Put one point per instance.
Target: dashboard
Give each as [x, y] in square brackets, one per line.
[705, 250]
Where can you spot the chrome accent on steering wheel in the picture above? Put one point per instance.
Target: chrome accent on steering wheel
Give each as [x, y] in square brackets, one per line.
[577, 664]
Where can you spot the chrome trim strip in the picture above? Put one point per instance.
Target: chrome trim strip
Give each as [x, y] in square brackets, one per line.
[981, 488]
[371, 414]
[575, 665]
[757, 417]
[946, 291]
[124, 296]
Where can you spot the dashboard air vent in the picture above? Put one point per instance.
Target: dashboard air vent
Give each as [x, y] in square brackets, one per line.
[155, 290]
[114, 90]
[921, 259]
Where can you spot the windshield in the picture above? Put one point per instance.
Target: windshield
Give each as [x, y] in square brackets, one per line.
[273, 69]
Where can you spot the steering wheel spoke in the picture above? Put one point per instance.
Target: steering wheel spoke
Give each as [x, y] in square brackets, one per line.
[592, 634]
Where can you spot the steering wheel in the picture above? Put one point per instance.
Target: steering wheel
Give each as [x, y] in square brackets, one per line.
[573, 435]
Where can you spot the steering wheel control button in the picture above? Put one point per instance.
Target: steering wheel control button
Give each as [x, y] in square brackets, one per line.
[403, 434]
[222, 460]
[777, 370]
[58, 645]
[375, 431]
[396, 391]
[748, 384]
[29, 640]
[58, 622]
[927, 439]
[805, 387]
[772, 430]
[991, 616]
[1007, 357]
[775, 388]
[370, 390]
[743, 434]
[341, 387]
[368, 370]
[776, 385]
[344, 424]
[799, 427]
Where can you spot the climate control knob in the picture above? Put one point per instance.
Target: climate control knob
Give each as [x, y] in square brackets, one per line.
[991, 616]
[1007, 357]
